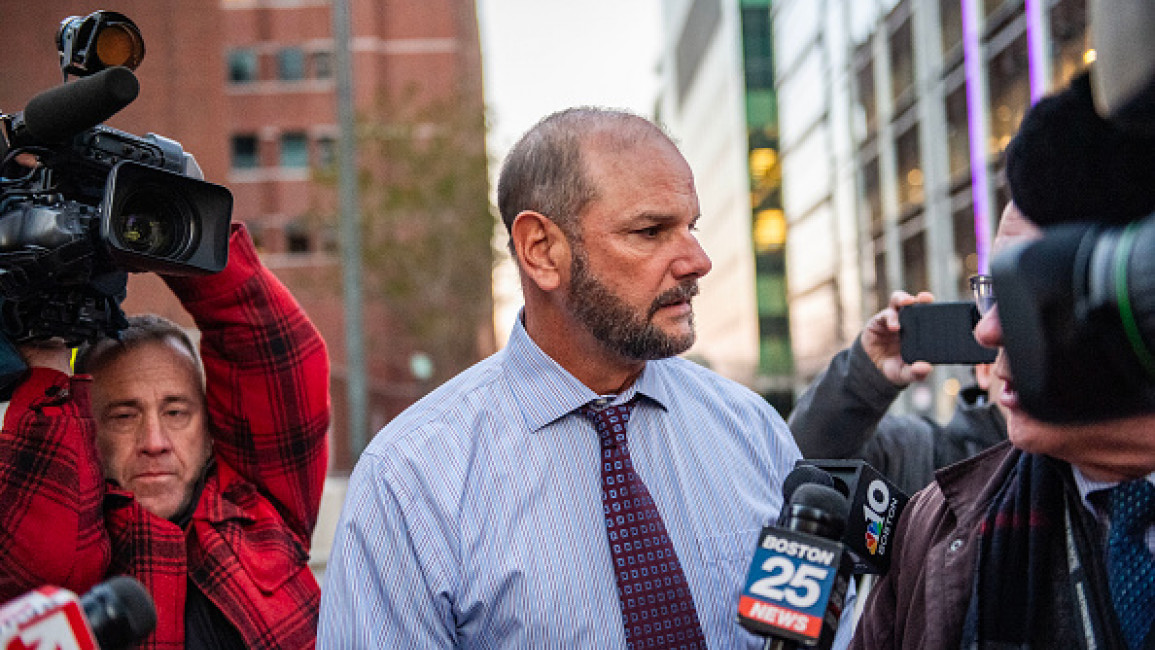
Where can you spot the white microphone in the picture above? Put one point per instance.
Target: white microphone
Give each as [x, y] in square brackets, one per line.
[114, 614]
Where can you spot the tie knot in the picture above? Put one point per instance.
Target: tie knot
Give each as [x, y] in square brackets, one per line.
[1132, 506]
[610, 421]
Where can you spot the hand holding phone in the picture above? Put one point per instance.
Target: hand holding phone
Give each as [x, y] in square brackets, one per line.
[941, 333]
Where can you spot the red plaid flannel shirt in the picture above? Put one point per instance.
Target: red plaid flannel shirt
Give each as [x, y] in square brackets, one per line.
[247, 545]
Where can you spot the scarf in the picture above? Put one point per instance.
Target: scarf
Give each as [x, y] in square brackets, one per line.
[1024, 594]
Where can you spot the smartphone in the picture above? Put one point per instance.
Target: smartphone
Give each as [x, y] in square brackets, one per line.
[941, 333]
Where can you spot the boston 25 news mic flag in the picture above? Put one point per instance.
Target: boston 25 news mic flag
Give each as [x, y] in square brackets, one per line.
[117, 613]
[798, 579]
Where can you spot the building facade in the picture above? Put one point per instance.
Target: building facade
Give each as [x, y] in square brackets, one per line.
[718, 102]
[893, 121]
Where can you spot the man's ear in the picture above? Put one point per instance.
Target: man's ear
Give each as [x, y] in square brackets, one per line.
[542, 249]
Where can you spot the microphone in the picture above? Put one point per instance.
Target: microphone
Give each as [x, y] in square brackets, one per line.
[117, 613]
[800, 475]
[799, 576]
[875, 505]
[59, 113]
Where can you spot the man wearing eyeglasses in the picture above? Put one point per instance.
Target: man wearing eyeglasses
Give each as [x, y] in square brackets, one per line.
[1045, 541]
[843, 414]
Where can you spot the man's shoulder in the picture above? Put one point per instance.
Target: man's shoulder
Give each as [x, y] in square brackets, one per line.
[687, 379]
[683, 369]
[965, 488]
[445, 411]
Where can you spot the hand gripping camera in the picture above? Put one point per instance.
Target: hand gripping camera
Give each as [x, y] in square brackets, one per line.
[82, 204]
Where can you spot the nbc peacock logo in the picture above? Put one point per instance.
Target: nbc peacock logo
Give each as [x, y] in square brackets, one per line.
[877, 498]
[873, 532]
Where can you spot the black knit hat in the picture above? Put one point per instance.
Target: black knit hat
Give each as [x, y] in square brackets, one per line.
[1068, 164]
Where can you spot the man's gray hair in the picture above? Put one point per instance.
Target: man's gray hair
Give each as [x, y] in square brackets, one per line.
[142, 328]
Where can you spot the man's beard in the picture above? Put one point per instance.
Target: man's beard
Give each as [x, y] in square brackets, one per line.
[616, 325]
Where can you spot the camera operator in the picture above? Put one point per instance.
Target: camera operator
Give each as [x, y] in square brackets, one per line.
[201, 481]
[843, 413]
[1045, 541]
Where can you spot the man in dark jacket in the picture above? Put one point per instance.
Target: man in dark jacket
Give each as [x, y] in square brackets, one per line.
[843, 413]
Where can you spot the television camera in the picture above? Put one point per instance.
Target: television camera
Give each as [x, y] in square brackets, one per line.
[82, 204]
[1077, 307]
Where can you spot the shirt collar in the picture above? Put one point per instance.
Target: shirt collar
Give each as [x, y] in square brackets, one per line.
[546, 391]
[1087, 486]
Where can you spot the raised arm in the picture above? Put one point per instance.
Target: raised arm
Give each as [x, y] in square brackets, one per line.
[51, 485]
[267, 375]
[838, 412]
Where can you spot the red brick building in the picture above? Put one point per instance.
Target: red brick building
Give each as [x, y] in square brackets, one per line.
[248, 86]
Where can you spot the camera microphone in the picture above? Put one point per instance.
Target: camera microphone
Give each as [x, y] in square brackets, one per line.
[798, 580]
[117, 613]
[59, 113]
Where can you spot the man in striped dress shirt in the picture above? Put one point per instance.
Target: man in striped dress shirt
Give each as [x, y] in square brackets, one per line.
[475, 518]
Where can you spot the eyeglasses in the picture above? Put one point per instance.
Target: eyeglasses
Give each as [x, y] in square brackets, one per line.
[983, 288]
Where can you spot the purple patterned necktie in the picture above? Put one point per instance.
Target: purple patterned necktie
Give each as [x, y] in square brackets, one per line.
[657, 608]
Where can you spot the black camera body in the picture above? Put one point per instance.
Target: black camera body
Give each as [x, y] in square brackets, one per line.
[1077, 306]
[1077, 309]
[82, 204]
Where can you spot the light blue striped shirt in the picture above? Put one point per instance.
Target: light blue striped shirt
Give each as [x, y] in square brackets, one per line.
[474, 519]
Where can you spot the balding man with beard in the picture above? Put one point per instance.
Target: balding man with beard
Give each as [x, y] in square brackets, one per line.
[584, 487]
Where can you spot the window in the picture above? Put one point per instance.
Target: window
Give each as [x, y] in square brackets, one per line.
[881, 284]
[901, 61]
[242, 66]
[958, 134]
[291, 64]
[297, 238]
[963, 223]
[864, 75]
[1010, 93]
[326, 152]
[872, 189]
[245, 152]
[914, 263]
[322, 65]
[757, 48]
[294, 150]
[909, 163]
[1069, 29]
[950, 16]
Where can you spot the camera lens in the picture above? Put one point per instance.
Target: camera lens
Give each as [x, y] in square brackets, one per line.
[119, 44]
[153, 222]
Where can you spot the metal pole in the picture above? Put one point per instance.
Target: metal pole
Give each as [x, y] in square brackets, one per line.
[349, 203]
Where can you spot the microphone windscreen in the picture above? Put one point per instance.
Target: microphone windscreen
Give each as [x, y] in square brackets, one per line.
[120, 612]
[1068, 164]
[823, 498]
[61, 112]
[803, 474]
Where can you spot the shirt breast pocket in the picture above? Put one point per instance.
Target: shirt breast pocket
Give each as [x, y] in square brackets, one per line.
[728, 557]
